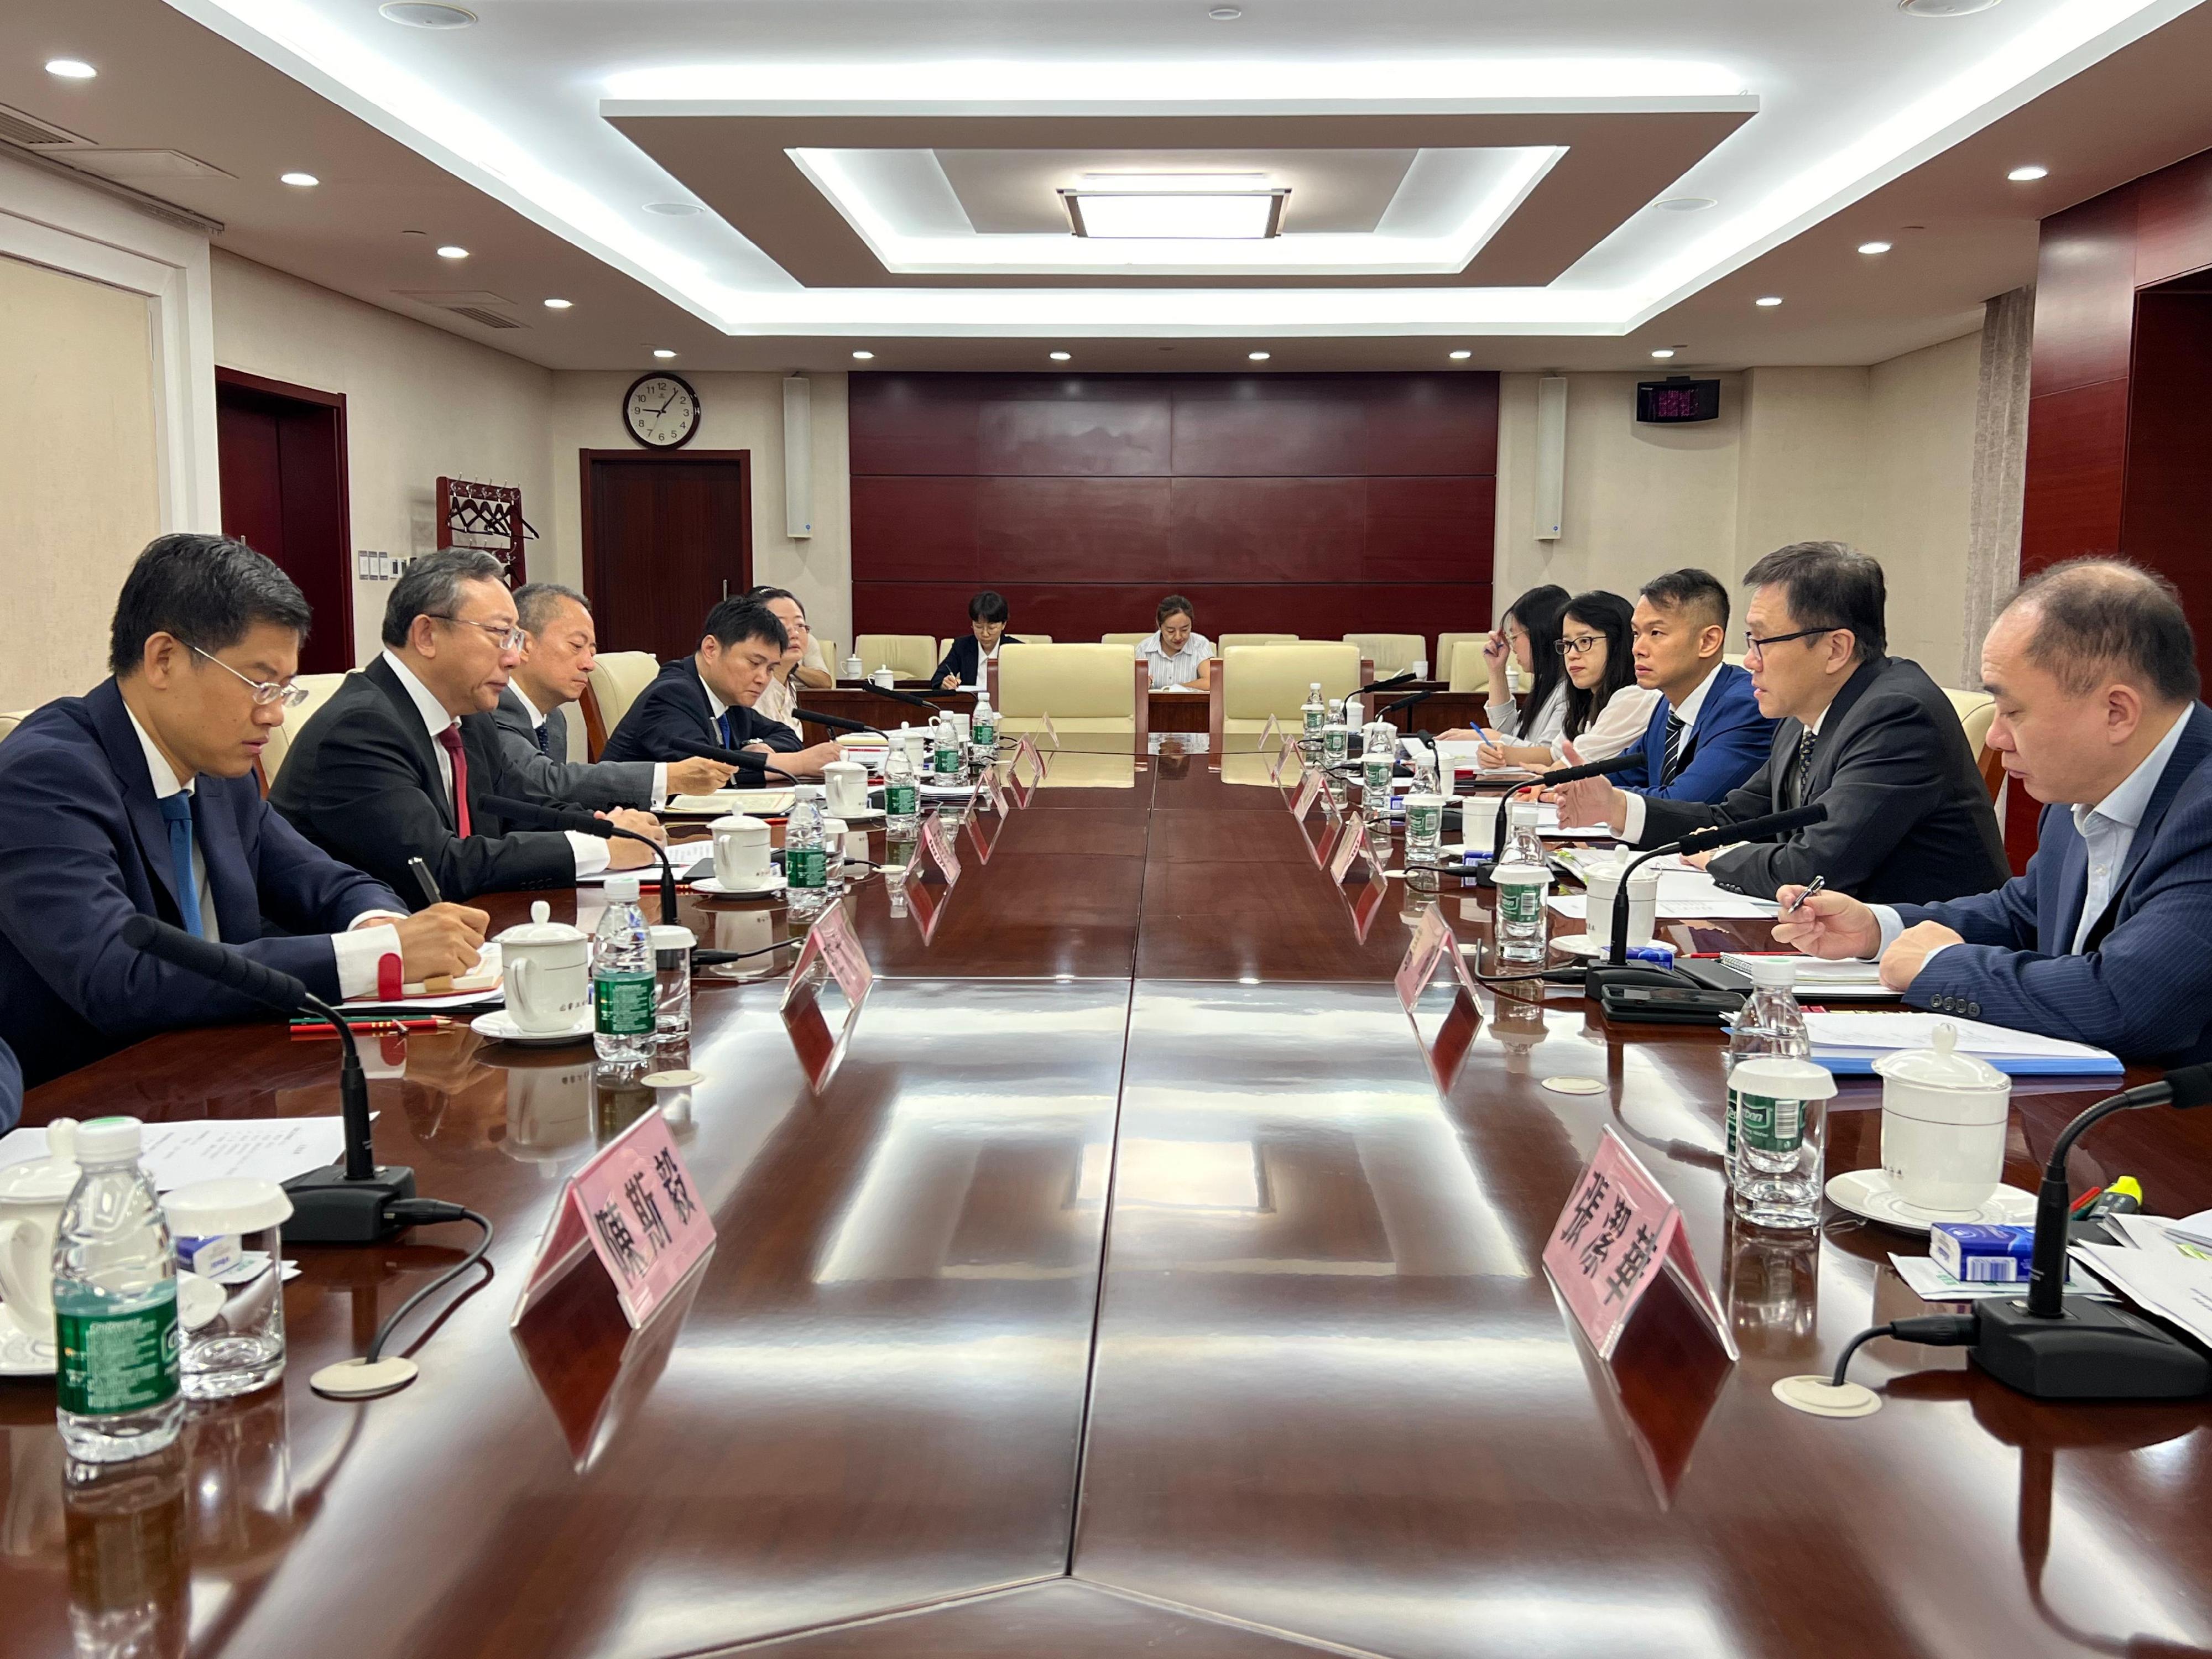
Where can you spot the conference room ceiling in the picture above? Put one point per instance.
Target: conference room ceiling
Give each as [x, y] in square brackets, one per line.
[917, 222]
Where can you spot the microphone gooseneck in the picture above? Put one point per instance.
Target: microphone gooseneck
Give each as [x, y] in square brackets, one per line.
[1772, 827]
[838, 722]
[539, 815]
[1598, 768]
[742, 759]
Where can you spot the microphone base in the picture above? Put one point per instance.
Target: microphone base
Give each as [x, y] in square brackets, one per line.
[2094, 1351]
[329, 1209]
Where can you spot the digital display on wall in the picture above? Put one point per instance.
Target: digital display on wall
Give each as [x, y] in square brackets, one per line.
[1677, 398]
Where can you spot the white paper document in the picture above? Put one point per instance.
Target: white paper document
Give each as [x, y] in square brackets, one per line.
[210, 1149]
[1723, 906]
[1931, 1284]
[757, 802]
[683, 857]
[1918, 1031]
[2165, 1282]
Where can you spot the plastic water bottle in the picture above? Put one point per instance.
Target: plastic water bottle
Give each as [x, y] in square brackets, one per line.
[902, 789]
[1770, 1025]
[947, 747]
[115, 1304]
[1378, 756]
[805, 860]
[1315, 713]
[1523, 879]
[623, 978]
[983, 731]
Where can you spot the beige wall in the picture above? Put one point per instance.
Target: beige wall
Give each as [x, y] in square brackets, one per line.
[80, 491]
[1879, 456]
[739, 411]
[420, 404]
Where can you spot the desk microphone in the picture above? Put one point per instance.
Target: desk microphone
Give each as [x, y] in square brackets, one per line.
[1408, 702]
[1627, 762]
[1772, 827]
[839, 723]
[537, 814]
[744, 760]
[908, 696]
[348, 1202]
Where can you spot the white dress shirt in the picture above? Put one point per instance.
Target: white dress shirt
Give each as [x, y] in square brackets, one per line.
[591, 852]
[1633, 823]
[1179, 669]
[538, 724]
[356, 952]
[1621, 724]
[1545, 723]
[2108, 828]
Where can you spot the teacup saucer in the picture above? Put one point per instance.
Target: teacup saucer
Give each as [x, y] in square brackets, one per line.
[866, 815]
[23, 1354]
[500, 1026]
[770, 883]
[1871, 1194]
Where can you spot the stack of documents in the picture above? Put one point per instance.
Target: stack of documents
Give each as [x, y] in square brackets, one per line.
[1848, 1044]
[209, 1149]
[759, 803]
[685, 857]
[1855, 979]
[1686, 894]
[2165, 1267]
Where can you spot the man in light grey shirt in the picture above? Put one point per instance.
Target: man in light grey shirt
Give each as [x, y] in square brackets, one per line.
[558, 652]
[1175, 653]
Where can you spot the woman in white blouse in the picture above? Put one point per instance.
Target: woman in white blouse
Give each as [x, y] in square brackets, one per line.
[1528, 634]
[1604, 711]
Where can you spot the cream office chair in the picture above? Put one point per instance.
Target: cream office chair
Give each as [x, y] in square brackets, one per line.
[617, 678]
[1975, 710]
[827, 647]
[1440, 665]
[909, 656]
[1132, 641]
[1253, 682]
[320, 689]
[1227, 640]
[1391, 653]
[943, 646]
[1089, 691]
[1467, 671]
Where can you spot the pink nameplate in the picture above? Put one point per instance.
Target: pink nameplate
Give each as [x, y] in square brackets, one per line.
[1432, 940]
[831, 952]
[633, 1207]
[939, 842]
[1050, 730]
[1285, 757]
[1348, 848]
[1367, 904]
[1618, 1231]
[972, 829]
[1027, 749]
[1271, 729]
[1309, 787]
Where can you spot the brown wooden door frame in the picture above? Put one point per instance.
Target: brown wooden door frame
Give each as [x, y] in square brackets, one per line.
[335, 403]
[585, 458]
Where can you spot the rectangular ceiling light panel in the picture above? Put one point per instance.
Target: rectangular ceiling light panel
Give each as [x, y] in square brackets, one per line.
[1189, 215]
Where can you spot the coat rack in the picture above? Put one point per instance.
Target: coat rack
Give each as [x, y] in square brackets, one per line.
[487, 513]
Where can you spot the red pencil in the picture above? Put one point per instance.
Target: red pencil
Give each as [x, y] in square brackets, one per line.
[368, 1027]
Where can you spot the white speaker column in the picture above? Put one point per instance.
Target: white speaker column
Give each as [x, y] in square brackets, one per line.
[798, 457]
[1551, 455]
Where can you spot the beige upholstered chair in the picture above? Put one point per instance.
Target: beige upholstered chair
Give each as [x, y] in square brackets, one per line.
[1467, 672]
[1253, 682]
[1440, 665]
[1391, 653]
[10, 721]
[1130, 640]
[1089, 691]
[909, 656]
[616, 680]
[1227, 640]
[1975, 710]
[320, 689]
[827, 647]
[943, 646]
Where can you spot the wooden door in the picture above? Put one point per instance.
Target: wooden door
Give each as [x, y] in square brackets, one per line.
[280, 450]
[665, 537]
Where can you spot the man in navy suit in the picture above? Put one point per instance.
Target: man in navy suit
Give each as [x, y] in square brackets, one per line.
[11, 1089]
[1707, 736]
[140, 797]
[986, 632]
[709, 697]
[2102, 940]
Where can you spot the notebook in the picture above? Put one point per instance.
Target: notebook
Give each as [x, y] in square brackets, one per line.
[1848, 1044]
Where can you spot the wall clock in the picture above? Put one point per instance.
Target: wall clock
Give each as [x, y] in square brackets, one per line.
[661, 410]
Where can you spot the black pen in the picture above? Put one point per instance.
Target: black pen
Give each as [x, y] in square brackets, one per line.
[426, 881]
[1817, 883]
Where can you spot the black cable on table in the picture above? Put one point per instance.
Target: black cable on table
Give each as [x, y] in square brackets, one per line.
[423, 1211]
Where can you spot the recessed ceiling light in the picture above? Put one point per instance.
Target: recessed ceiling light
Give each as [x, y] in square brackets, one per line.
[1664, 351]
[864, 356]
[70, 69]
[1684, 204]
[674, 209]
[1460, 356]
[425, 15]
[1259, 356]
[1196, 206]
[1226, 13]
[1059, 356]
[299, 180]
[2027, 174]
[558, 305]
[452, 251]
[1943, 7]
[662, 352]
[1874, 247]
[1768, 299]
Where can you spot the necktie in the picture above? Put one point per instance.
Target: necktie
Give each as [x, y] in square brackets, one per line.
[450, 741]
[177, 813]
[1801, 776]
[1673, 762]
[545, 739]
[729, 738]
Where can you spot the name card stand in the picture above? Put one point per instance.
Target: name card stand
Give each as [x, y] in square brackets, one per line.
[1321, 841]
[1434, 942]
[1272, 729]
[1352, 847]
[1050, 730]
[832, 951]
[989, 802]
[1287, 759]
[1023, 789]
[631, 1209]
[1618, 1231]
[925, 902]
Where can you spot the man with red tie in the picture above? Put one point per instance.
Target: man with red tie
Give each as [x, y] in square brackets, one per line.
[396, 766]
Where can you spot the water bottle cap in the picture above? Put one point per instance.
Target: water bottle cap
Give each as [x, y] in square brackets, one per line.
[665, 938]
[108, 1139]
[621, 889]
[233, 1203]
[1772, 972]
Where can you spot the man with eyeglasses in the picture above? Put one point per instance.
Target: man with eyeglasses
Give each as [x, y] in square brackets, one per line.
[397, 764]
[1867, 735]
[140, 798]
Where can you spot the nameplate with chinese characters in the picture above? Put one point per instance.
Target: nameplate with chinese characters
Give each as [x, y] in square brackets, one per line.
[1619, 1230]
[832, 950]
[1309, 786]
[979, 816]
[937, 841]
[1287, 759]
[1025, 788]
[633, 1208]
[1434, 942]
[1367, 903]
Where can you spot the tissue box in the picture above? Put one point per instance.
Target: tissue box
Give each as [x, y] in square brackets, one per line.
[1982, 1254]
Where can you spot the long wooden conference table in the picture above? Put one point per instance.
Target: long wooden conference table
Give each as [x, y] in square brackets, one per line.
[1132, 1288]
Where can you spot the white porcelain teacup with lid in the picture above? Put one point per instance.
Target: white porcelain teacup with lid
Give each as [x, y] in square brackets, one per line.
[1943, 1116]
[548, 969]
[31, 1199]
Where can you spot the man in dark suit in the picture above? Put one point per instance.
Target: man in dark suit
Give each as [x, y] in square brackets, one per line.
[559, 647]
[986, 632]
[396, 764]
[11, 1089]
[2102, 941]
[1707, 736]
[139, 798]
[1867, 735]
[708, 697]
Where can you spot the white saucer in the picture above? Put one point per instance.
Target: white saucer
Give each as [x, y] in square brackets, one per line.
[772, 883]
[23, 1354]
[1869, 1192]
[1582, 944]
[866, 815]
[499, 1025]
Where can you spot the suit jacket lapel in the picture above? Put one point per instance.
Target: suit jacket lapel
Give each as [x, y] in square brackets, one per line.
[556, 734]
[2073, 879]
[230, 879]
[2188, 755]
[379, 675]
[119, 739]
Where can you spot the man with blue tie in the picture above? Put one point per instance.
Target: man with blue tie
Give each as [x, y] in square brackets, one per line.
[1707, 735]
[140, 798]
[708, 697]
[2093, 669]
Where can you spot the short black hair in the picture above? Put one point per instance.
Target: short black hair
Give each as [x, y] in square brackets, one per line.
[743, 618]
[987, 606]
[432, 587]
[1176, 602]
[1689, 589]
[1830, 585]
[2102, 619]
[763, 595]
[206, 591]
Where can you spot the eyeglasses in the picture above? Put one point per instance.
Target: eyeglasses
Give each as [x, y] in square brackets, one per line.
[1755, 647]
[510, 637]
[264, 692]
[1580, 645]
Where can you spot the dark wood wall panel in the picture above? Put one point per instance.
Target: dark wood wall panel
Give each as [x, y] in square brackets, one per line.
[1314, 504]
[2168, 501]
[2077, 446]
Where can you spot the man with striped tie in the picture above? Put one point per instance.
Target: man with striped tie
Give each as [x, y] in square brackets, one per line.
[1707, 736]
[708, 698]
[559, 650]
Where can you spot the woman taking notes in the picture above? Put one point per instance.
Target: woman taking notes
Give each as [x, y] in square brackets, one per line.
[1529, 633]
[1602, 710]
